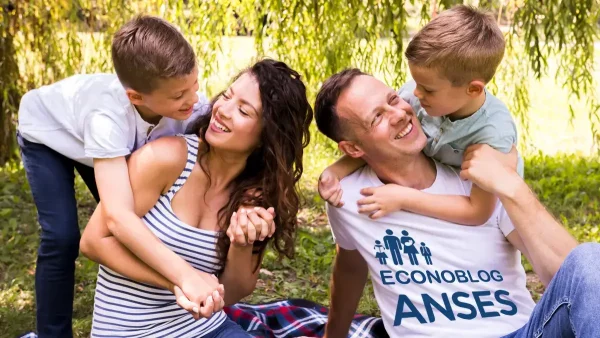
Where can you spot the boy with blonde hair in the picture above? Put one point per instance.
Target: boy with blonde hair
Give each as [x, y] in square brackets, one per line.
[91, 123]
[451, 60]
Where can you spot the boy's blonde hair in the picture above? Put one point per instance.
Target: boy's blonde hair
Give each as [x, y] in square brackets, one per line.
[462, 43]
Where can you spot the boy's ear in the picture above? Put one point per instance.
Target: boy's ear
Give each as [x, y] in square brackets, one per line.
[134, 96]
[475, 88]
[351, 149]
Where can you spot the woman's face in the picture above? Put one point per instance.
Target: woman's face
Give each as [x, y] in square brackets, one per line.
[236, 123]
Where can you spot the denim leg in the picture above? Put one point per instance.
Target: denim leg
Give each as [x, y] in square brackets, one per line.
[229, 329]
[570, 307]
[51, 178]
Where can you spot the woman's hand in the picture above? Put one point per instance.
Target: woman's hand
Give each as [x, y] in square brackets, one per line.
[249, 225]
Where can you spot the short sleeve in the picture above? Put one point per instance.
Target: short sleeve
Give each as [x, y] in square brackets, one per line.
[106, 135]
[504, 222]
[499, 131]
[339, 228]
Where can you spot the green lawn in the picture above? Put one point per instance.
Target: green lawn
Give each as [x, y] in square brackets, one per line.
[568, 183]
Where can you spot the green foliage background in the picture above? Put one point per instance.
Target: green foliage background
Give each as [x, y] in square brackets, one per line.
[549, 67]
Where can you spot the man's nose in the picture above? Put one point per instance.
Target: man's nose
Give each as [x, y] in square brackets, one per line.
[399, 115]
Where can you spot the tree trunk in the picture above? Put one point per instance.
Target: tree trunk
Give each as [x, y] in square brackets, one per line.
[9, 98]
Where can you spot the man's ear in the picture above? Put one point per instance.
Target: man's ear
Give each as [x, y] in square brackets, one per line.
[350, 148]
[134, 96]
[475, 88]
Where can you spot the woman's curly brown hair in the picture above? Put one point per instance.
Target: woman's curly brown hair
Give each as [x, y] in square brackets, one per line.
[273, 169]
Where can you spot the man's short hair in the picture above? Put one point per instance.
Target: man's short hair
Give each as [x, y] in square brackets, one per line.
[147, 49]
[326, 115]
[462, 43]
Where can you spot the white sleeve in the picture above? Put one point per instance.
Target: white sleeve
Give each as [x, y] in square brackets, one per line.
[504, 222]
[105, 135]
[339, 228]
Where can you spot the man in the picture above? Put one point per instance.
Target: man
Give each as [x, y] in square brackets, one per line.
[475, 285]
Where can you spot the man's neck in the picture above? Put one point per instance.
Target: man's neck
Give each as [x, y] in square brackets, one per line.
[417, 172]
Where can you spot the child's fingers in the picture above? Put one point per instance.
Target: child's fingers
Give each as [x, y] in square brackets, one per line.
[377, 214]
[366, 200]
[267, 228]
[367, 191]
[232, 226]
[369, 208]
[207, 310]
[185, 303]
[338, 198]
[218, 300]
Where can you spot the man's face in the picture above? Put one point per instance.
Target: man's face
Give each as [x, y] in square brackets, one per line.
[382, 124]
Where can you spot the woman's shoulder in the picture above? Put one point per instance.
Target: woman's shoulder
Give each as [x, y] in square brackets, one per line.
[166, 154]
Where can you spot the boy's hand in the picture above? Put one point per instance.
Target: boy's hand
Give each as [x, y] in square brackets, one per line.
[249, 225]
[491, 170]
[330, 189]
[380, 201]
[201, 294]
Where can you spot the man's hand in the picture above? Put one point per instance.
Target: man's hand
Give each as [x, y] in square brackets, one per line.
[490, 169]
[248, 225]
[201, 294]
[380, 201]
[330, 189]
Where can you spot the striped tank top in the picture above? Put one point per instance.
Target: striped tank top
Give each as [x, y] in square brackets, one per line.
[126, 308]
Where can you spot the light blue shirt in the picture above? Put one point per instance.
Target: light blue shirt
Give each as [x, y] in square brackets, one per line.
[447, 140]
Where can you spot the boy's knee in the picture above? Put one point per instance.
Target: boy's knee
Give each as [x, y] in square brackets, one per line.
[63, 246]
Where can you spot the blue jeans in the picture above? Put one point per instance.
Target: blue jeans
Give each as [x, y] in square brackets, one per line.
[570, 307]
[51, 178]
[229, 329]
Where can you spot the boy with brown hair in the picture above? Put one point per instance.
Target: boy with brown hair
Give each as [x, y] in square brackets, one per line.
[451, 60]
[92, 122]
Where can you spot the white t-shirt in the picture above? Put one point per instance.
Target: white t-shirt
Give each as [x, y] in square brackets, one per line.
[89, 116]
[431, 277]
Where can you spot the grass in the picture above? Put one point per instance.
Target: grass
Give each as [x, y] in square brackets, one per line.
[560, 167]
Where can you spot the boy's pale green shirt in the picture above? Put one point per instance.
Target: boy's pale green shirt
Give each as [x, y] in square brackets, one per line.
[447, 140]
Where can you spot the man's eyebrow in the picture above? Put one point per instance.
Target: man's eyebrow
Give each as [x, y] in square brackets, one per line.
[376, 109]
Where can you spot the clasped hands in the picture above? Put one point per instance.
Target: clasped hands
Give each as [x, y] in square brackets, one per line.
[201, 293]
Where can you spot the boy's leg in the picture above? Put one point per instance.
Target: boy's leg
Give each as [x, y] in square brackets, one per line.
[51, 178]
[570, 307]
[87, 174]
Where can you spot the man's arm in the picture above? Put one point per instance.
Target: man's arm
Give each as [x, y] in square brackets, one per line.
[545, 241]
[347, 283]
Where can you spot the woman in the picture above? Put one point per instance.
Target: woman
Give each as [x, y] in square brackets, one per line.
[246, 153]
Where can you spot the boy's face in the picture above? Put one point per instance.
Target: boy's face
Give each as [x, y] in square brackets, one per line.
[173, 98]
[437, 94]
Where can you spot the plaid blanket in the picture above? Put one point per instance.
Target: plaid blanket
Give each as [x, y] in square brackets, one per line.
[292, 318]
[297, 318]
